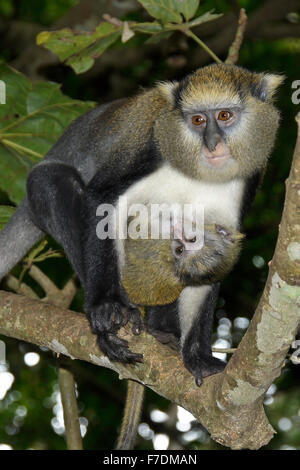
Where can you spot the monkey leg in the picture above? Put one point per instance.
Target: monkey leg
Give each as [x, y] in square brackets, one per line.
[196, 346]
[54, 193]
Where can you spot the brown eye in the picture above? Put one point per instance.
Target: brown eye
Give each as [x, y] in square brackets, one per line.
[198, 120]
[224, 115]
[179, 250]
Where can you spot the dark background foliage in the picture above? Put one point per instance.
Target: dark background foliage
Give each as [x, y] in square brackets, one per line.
[30, 413]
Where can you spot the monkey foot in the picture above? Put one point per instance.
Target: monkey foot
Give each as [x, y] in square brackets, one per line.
[207, 365]
[106, 319]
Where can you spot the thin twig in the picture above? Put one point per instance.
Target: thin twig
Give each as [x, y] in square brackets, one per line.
[224, 350]
[110, 19]
[46, 284]
[69, 403]
[233, 53]
[11, 282]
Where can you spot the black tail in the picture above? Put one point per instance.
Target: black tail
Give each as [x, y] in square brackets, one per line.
[16, 239]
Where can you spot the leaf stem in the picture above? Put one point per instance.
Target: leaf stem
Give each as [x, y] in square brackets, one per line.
[190, 34]
[21, 148]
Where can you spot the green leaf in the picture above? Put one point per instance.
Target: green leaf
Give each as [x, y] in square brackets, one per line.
[80, 49]
[5, 214]
[208, 16]
[164, 10]
[33, 118]
[187, 7]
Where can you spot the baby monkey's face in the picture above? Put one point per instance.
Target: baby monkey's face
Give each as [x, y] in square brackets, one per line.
[206, 257]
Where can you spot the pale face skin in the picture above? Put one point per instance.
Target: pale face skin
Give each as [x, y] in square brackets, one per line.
[219, 156]
[213, 125]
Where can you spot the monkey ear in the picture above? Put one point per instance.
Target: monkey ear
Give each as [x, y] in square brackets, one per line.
[168, 90]
[229, 233]
[267, 87]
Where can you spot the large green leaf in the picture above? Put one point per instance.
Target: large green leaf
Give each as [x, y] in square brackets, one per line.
[5, 214]
[80, 49]
[31, 121]
[164, 10]
[187, 7]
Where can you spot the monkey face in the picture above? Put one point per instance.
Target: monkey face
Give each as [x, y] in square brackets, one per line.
[213, 261]
[222, 124]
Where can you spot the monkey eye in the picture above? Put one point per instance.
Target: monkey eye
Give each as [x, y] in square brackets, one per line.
[224, 115]
[193, 240]
[197, 120]
[179, 250]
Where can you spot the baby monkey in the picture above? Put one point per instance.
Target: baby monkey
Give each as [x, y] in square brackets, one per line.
[156, 270]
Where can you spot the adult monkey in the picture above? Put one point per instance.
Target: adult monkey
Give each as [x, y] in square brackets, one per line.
[203, 140]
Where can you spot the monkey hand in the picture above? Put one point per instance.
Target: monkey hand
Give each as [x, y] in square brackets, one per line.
[106, 319]
[203, 365]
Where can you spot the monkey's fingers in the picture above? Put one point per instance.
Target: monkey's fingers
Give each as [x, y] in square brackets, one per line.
[117, 349]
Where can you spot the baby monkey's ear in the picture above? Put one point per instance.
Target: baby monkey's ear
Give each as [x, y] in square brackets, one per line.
[229, 234]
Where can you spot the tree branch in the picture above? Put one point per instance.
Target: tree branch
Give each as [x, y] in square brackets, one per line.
[233, 53]
[69, 403]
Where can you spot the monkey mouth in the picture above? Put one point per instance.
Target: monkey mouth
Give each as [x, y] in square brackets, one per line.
[217, 160]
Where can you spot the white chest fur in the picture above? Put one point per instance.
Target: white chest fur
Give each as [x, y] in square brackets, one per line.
[221, 201]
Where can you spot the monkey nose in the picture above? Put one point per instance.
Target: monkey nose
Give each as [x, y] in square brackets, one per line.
[212, 140]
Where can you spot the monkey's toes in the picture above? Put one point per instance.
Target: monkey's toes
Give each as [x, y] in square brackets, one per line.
[116, 349]
[205, 366]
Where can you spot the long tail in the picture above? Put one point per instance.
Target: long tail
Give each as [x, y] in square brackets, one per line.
[132, 414]
[16, 239]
